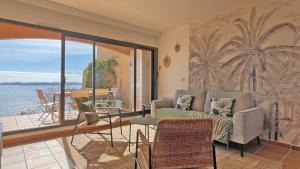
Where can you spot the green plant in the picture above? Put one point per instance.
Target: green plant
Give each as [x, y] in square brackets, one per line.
[105, 74]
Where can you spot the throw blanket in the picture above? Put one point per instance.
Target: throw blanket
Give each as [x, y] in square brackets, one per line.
[222, 126]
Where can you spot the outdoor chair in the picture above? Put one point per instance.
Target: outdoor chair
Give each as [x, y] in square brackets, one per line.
[109, 103]
[177, 144]
[89, 119]
[48, 107]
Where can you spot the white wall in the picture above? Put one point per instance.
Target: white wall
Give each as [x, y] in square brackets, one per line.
[14, 10]
[176, 75]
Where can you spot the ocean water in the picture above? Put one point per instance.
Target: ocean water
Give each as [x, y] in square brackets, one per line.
[15, 99]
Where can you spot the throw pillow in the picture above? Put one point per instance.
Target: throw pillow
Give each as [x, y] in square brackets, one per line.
[198, 102]
[222, 107]
[90, 116]
[184, 102]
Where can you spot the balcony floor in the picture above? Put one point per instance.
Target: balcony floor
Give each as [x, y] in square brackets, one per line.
[94, 151]
[20, 122]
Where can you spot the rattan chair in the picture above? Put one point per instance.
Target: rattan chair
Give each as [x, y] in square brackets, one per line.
[177, 144]
[82, 126]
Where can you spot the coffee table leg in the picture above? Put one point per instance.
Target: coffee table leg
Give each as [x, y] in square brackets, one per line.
[148, 131]
[129, 137]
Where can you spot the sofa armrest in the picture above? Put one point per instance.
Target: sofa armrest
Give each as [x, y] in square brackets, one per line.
[247, 124]
[162, 103]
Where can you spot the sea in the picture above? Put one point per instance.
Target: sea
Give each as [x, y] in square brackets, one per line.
[22, 98]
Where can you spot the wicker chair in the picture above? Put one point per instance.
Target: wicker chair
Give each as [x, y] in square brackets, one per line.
[177, 144]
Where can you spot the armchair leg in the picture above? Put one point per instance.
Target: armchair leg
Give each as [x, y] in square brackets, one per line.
[242, 150]
[214, 156]
[120, 121]
[111, 133]
[258, 140]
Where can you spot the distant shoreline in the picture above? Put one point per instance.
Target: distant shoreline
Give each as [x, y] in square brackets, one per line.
[38, 83]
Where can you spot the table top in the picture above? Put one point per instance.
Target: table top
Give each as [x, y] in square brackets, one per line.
[144, 121]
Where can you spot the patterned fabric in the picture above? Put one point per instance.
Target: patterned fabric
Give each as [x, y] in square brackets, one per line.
[222, 126]
[184, 102]
[222, 107]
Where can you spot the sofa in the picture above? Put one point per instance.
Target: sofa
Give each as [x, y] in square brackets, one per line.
[247, 120]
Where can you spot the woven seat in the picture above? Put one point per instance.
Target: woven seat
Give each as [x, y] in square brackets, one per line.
[177, 144]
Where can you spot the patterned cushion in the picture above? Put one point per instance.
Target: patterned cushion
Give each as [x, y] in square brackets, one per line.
[222, 106]
[184, 102]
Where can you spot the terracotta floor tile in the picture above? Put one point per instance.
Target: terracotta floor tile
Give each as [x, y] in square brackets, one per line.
[292, 160]
[272, 152]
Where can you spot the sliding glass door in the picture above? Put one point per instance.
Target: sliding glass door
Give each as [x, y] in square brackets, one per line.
[114, 74]
[78, 74]
[44, 70]
[30, 77]
[143, 78]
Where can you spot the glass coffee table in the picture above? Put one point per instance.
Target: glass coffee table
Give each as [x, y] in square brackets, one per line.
[146, 121]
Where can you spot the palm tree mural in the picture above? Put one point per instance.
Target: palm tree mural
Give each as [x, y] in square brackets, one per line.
[280, 86]
[204, 66]
[254, 50]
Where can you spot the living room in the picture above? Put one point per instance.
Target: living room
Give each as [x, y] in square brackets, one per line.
[208, 83]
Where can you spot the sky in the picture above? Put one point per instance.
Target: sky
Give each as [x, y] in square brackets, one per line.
[38, 60]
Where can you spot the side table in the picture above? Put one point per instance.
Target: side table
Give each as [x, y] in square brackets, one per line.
[146, 121]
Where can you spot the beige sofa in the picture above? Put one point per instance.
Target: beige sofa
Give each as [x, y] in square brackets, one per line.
[247, 120]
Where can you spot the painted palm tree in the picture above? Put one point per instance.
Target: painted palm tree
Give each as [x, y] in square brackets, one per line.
[280, 86]
[204, 69]
[254, 50]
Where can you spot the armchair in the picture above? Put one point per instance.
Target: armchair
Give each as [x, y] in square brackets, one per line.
[177, 144]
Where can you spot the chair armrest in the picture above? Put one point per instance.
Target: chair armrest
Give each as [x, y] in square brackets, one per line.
[248, 124]
[145, 150]
[162, 103]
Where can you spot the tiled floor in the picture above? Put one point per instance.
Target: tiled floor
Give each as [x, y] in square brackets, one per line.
[94, 151]
[41, 155]
[20, 122]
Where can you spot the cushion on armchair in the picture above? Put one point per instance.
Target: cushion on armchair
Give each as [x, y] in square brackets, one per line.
[91, 117]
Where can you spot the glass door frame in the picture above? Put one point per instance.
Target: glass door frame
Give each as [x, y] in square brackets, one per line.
[95, 39]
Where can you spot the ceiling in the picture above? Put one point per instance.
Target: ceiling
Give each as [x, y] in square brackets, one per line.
[156, 15]
[148, 16]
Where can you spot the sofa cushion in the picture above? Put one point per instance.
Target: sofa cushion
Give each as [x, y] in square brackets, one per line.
[222, 106]
[195, 93]
[243, 100]
[180, 92]
[184, 102]
[198, 101]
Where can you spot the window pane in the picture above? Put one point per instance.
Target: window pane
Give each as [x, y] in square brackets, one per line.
[78, 73]
[114, 76]
[29, 77]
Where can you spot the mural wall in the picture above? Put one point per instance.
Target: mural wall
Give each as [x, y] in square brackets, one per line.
[255, 51]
